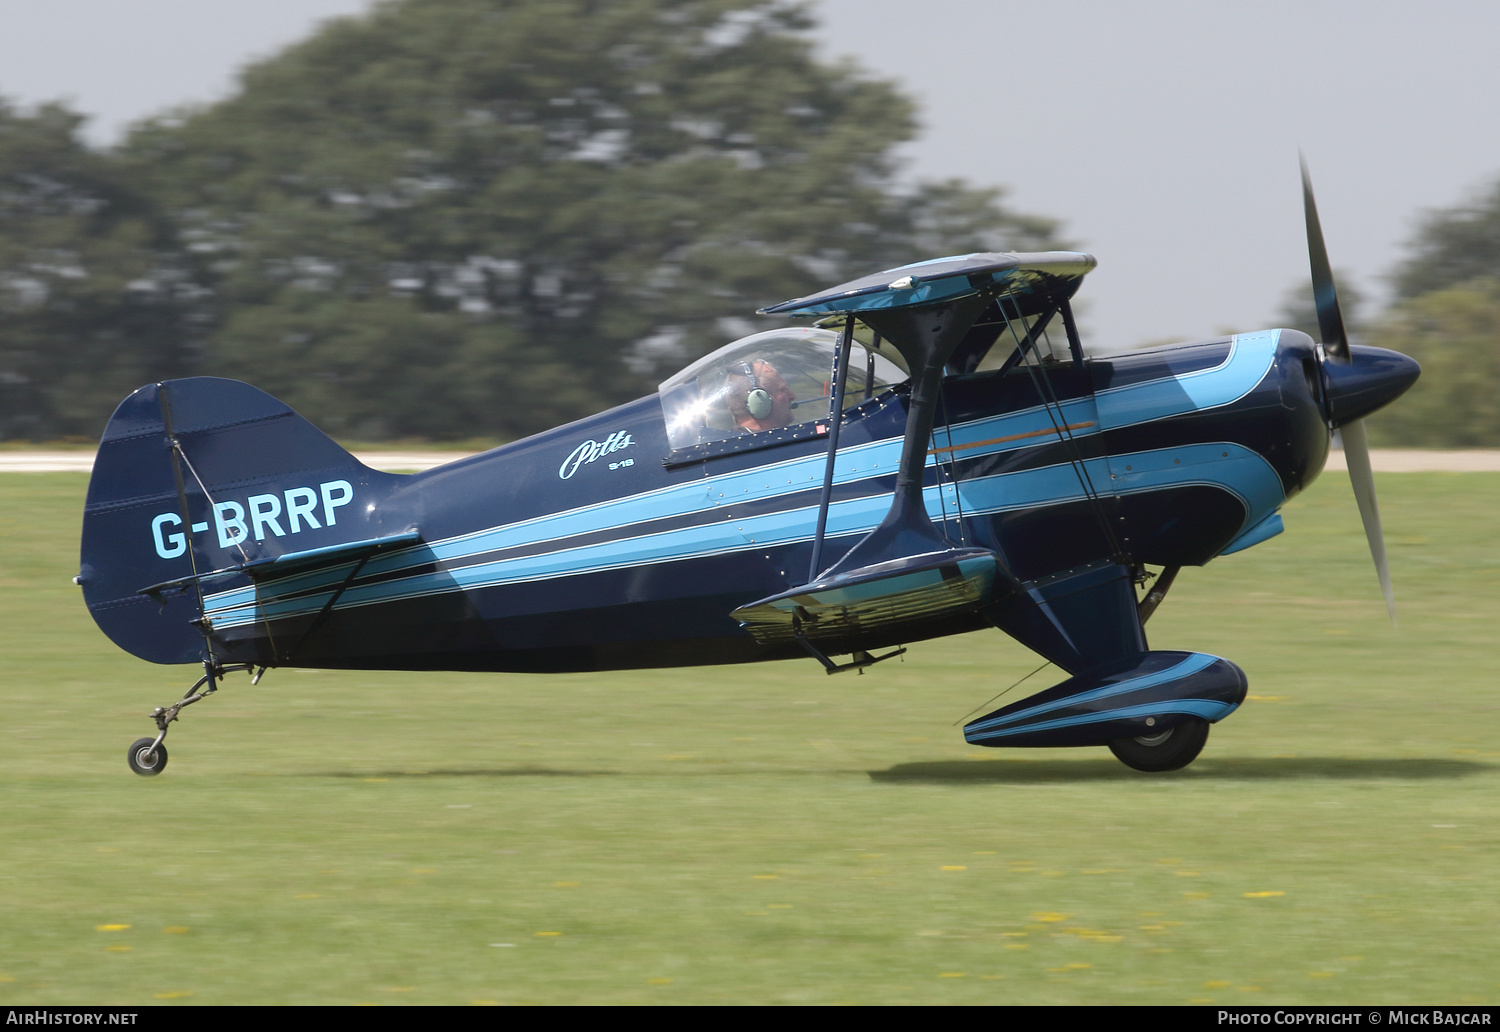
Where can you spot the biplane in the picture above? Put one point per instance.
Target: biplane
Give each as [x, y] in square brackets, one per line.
[930, 452]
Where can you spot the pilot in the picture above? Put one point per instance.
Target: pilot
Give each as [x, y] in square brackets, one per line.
[759, 398]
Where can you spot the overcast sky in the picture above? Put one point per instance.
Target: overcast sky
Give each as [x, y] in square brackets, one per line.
[1164, 134]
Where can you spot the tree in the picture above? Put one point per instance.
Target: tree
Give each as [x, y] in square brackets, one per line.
[1455, 335]
[1447, 316]
[1299, 312]
[1453, 246]
[455, 217]
[91, 301]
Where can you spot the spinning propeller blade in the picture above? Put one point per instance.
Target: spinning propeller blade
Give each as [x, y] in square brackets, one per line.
[1357, 457]
[1336, 349]
[1325, 297]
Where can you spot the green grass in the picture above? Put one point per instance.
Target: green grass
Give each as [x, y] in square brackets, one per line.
[767, 834]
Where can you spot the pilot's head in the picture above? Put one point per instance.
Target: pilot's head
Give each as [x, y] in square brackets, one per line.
[759, 398]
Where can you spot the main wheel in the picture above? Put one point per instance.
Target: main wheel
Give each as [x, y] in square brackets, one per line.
[1170, 750]
[144, 760]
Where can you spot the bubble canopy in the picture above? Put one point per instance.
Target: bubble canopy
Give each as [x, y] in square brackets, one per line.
[766, 381]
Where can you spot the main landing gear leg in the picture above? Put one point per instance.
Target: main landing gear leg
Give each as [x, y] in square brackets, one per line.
[148, 756]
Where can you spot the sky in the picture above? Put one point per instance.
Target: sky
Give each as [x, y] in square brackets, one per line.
[1162, 134]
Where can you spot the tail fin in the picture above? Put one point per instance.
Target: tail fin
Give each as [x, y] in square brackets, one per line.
[200, 475]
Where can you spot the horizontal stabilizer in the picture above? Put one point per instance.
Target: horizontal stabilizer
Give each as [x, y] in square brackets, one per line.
[260, 570]
[1147, 695]
[870, 598]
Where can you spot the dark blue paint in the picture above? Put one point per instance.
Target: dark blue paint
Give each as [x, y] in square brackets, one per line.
[642, 563]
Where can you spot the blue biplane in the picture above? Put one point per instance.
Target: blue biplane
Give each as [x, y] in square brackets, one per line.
[932, 454]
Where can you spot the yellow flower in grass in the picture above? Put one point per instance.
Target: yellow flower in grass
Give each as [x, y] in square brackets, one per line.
[1264, 895]
[111, 927]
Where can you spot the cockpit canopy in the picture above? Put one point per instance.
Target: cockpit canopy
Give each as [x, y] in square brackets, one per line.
[766, 381]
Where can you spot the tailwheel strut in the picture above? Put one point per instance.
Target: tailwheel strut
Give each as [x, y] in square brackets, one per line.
[148, 756]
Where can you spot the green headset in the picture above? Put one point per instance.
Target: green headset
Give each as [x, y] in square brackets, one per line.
[757, 399]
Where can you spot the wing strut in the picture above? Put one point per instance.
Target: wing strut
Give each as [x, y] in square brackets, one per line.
[835, 420]
[906, 573]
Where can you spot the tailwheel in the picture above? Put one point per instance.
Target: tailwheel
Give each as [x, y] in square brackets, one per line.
[147, 757]
[1172, 749]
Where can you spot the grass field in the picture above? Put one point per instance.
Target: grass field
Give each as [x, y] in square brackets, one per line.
[767, 834]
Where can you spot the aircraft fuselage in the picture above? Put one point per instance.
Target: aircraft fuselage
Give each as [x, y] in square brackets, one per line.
[578, 549]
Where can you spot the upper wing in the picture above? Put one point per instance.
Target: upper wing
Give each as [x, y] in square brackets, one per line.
[1036, 281]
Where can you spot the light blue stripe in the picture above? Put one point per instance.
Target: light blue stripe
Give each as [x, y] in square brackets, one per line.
[1050, 485]
[855, 464]
[1262, 531]
[1186, 668]
[1210, 711]
[1243, 473]
[1227, 466]
[1152, 399]
[1251, 357]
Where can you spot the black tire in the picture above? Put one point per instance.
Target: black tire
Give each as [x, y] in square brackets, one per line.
[144, 760]
[1169, 750]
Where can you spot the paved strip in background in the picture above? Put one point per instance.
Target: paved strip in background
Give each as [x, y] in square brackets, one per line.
[1385, 460]
[42, 461]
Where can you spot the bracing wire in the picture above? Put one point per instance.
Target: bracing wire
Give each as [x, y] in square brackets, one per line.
[1007, 691]
[1053, 408]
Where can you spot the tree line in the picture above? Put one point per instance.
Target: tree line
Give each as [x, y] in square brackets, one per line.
[453, 219]
[1445, 313]
[461, 218]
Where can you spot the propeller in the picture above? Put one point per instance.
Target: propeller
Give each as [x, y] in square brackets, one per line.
[1336, 350]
